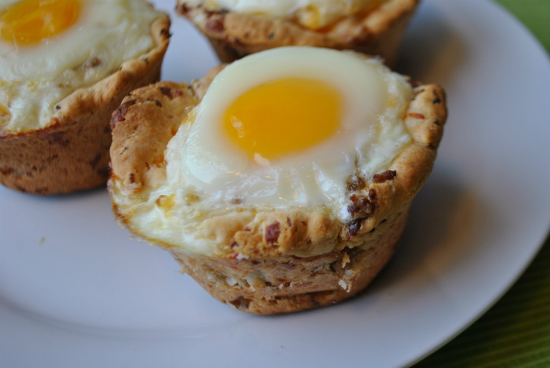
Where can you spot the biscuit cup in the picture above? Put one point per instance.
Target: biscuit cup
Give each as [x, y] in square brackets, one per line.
[72, 152]
[234, 35]
[279, 260]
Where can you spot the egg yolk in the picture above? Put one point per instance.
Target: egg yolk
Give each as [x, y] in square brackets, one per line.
[283, 117]
[29, 22]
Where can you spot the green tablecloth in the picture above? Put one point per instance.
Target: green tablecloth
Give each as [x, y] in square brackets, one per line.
[516, 331]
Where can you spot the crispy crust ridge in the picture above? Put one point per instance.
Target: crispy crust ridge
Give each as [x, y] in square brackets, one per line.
[234, 35]
[327, 260]
[72, 152]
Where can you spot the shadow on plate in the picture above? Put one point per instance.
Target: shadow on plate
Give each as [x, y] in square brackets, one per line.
[443, 224]
[431, 49]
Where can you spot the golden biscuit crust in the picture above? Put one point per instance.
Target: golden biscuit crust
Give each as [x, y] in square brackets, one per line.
[289, 284]
[72, 152]
[277, 261]
[234, 35]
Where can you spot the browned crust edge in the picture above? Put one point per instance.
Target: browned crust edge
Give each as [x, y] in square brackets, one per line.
[234, 35]
[72, 153]
[248, 240]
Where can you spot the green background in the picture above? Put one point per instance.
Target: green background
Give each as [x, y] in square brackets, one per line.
[515, 332]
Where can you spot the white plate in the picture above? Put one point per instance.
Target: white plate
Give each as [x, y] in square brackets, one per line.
[75, 291]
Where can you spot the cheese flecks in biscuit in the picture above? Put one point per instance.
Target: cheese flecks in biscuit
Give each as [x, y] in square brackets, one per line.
[41, 55]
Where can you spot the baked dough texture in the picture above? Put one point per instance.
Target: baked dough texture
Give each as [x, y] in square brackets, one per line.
[274, 261]
[72, 152]
[234, 35]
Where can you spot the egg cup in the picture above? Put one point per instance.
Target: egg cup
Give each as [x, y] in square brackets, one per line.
[234, 35]
[72, 152]
[274, 261]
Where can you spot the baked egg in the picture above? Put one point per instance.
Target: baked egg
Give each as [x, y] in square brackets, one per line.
[278, 130]
[42, 58]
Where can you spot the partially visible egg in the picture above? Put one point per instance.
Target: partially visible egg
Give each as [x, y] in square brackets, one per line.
[313, 14]
[50, 48]
[286, 128]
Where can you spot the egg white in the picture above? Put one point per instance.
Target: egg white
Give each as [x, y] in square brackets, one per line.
[33, 79]
[311, 13]
[202, 160]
